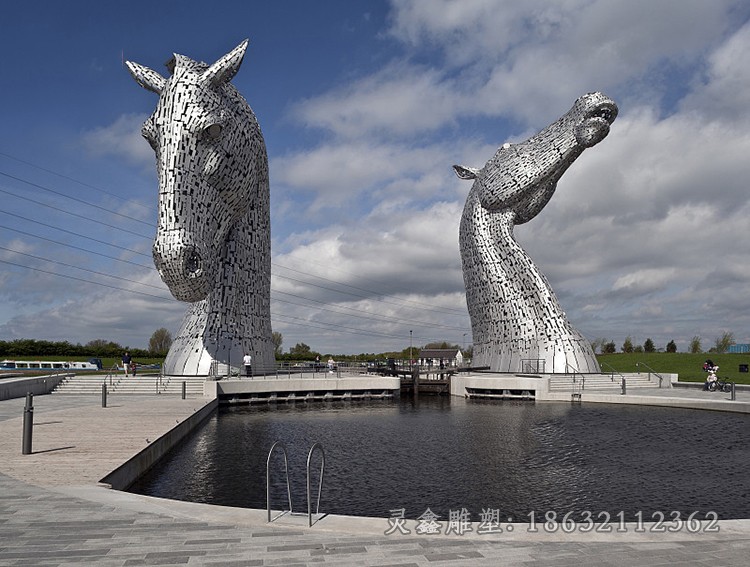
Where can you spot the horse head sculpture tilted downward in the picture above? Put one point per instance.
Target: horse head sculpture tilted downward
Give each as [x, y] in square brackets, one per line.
[517, 322]
[212, 246]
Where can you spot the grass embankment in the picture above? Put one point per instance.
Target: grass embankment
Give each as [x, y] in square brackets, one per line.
[688, 366]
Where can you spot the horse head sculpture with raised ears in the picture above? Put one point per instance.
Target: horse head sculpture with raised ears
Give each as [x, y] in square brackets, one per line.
[212, 246]
[516, 320]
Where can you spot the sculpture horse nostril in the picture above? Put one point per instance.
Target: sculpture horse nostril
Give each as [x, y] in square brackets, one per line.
[193, 265]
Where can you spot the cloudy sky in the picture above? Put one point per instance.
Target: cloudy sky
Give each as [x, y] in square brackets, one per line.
[364, 107]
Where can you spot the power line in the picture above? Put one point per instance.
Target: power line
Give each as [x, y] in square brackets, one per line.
[78, 181]
[73, 198]
[86, 281]
[400, 303]
[81, 268]
[85, 237]
[367, 315]
[58, 209]
[431, 307]
[303, 323]
[375, 316]
[78, 247]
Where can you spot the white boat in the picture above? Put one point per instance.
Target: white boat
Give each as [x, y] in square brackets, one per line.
[42, 365]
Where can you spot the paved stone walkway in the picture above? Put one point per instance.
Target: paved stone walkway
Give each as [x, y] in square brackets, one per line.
[54, 522]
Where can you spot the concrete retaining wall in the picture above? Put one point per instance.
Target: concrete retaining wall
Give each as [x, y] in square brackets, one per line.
[18, 387]
[226, 388]
[460, 382]
[125, 475]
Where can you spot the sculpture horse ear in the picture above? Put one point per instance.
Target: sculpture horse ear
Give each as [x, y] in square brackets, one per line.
[147, 78]
[220, 72]
[464, 172]
[225, 68]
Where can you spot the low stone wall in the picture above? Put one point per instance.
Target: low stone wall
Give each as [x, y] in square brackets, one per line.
[537, 384]
[125, 475]
[18, 387]
[246, 387]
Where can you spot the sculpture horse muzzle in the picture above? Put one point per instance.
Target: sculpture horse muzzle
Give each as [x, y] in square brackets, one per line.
[499, 186]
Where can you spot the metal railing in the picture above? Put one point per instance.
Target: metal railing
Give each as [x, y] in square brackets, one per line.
[320, 484]
[578, 373]
[651, 371]
[613, 371]
[533, 366]
[280, 445]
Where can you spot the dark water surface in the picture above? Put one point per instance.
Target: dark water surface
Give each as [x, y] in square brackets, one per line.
[448, 454]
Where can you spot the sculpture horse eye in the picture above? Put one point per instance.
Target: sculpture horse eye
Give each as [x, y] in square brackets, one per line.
[213, 131]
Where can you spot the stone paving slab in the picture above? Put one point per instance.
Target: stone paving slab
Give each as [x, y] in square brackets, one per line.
[81, 442]
[52, 516]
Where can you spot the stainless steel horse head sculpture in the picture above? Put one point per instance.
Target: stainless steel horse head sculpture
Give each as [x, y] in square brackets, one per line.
[517, 322]
[212, 246]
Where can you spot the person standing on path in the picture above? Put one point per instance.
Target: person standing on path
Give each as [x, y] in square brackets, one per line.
[247, 360]
[126, 358]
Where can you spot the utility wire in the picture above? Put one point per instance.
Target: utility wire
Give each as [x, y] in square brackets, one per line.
[375, 316]
[66, 265]
[58, 209]
[105, 209]
[78, 181]
[307, 283]
[85, 281]
[423, 305]
[77, 247]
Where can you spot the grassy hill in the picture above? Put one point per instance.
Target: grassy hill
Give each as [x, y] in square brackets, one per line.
[688, 366]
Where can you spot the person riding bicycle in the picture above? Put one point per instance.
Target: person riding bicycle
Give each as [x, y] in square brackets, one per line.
[711, 368]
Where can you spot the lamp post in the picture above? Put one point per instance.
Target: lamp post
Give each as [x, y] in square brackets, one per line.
[411, 358]
[464, 349]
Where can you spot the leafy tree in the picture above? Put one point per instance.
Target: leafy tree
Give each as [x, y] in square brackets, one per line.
[598, 344]
[671, 346]
[609, 348]
[627, 346]
[277, 339]
[638, 349]
[722, 343]
[300, 349]
[443, 344]
[160, 341]
[648, 346]
[695, 345]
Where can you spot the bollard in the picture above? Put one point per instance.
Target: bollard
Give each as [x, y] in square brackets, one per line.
[28, 424]
[104, 395]
[734, 391]
[183, 389]
[624, 386]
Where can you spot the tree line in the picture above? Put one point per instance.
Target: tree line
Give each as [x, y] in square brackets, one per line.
[159, 345]
[720, 346]
[303, 352]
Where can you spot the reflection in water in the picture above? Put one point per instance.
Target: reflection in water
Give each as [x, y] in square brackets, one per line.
[447, 454]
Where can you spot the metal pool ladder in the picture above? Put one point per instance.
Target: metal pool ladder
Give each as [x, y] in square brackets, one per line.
[288, 489]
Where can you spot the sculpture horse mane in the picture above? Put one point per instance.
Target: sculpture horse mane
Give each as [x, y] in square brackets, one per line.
[212, 247]
[517, 322]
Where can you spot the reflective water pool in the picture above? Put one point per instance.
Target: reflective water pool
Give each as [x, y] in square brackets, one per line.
[450, 454]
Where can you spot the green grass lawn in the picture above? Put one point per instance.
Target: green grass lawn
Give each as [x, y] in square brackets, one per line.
[688, 366]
